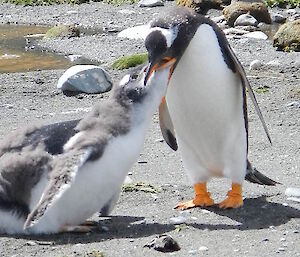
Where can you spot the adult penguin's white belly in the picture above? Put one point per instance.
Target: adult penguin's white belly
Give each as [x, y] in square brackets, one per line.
[205, 101]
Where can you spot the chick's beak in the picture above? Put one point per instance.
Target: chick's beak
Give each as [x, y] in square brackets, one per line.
[163, 63]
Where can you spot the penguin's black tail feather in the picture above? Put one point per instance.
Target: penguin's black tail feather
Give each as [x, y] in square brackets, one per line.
[254, 176]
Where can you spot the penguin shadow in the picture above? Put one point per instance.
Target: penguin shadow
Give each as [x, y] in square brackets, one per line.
[256, 213]
[107, 228]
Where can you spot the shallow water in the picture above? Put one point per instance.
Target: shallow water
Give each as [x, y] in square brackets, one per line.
[18, 53]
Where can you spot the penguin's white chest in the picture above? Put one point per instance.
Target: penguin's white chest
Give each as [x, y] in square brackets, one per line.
[95, 184]
[205, 101]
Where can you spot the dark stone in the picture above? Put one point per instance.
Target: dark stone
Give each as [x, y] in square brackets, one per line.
[163, 243]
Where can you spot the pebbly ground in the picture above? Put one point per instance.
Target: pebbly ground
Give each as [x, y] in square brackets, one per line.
[267, 225]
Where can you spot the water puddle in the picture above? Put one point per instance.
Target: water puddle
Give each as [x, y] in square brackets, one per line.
[18, 54]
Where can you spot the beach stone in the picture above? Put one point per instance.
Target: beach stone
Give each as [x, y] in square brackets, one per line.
[89, 79]
[278, 18]
[258, 10]
[293, 191]
[245, 20]
[150, 3]
[177, 220]
[163, 243]
[137, 32]
[63, 31]
[287, 38]
[256, 35]
[202, 6]
[255, 65]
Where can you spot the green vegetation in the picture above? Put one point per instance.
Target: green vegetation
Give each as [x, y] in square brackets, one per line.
[263, 89]
[140, 186]
[126, 62]
[283, 3]
[63, 31]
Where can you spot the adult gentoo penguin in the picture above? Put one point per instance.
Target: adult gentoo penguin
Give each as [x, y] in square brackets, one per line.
[206, 103]
[53, 178]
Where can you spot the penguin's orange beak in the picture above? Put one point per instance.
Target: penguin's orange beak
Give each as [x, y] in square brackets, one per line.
[165, 62]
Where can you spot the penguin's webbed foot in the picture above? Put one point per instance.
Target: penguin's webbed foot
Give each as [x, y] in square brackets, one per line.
[198, 201]
[234, 199]
[202, 198]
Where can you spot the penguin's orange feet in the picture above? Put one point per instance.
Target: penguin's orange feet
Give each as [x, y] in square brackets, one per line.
[234, 199]
[202, 198]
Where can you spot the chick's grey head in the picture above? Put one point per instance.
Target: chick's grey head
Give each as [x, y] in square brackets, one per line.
[134, 88]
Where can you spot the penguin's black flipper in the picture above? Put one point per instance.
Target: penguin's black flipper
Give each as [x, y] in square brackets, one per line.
[246, 84]
[166, 125]
[254, 176]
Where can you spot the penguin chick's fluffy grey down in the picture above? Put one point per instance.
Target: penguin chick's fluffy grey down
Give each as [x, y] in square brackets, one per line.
[206, 102]
[53, 178]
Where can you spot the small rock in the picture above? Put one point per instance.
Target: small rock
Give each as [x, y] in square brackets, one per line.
[234, 31]
[281, 249]
[8, 106]
[150, 3]
[273, 63]
[89, 79]
[203, 248]
[278, 18]
[192, 252]
[31, 243]
[287, 38]
[206, 211]
[258, 10]
[74, 57]
[293, 191]
[218, 19]
[126, 11]
[163, 243]
[256, 35]
[245, 20]
[177, 220]
[137, 32]
[291, 11]
[295, 104]
[296, 231]
[255, 65]
[283, 239]
[266, 240]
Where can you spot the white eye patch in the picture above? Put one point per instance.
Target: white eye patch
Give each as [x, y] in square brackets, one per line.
[169, 34]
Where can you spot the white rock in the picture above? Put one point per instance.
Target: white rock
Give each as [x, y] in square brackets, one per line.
[218, 19]
[278, 18]
[234, 31]
[256, 35]
[256, 64]
[127, 180]
[85, 78]
[177, 220]
[245, 20]
[273, 63]
[126, 11]
[292, 192]
[293, 104]
[291, 11]
[138, 32]
[73, 57]
[150, 3]
[203, 248]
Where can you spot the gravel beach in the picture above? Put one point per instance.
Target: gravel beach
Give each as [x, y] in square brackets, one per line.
[267, 225]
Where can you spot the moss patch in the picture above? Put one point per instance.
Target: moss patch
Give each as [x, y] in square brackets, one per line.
[62, 31]
[287, 38]
[126, 62]
[139, 187]
[283, 3]
[263, 89]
